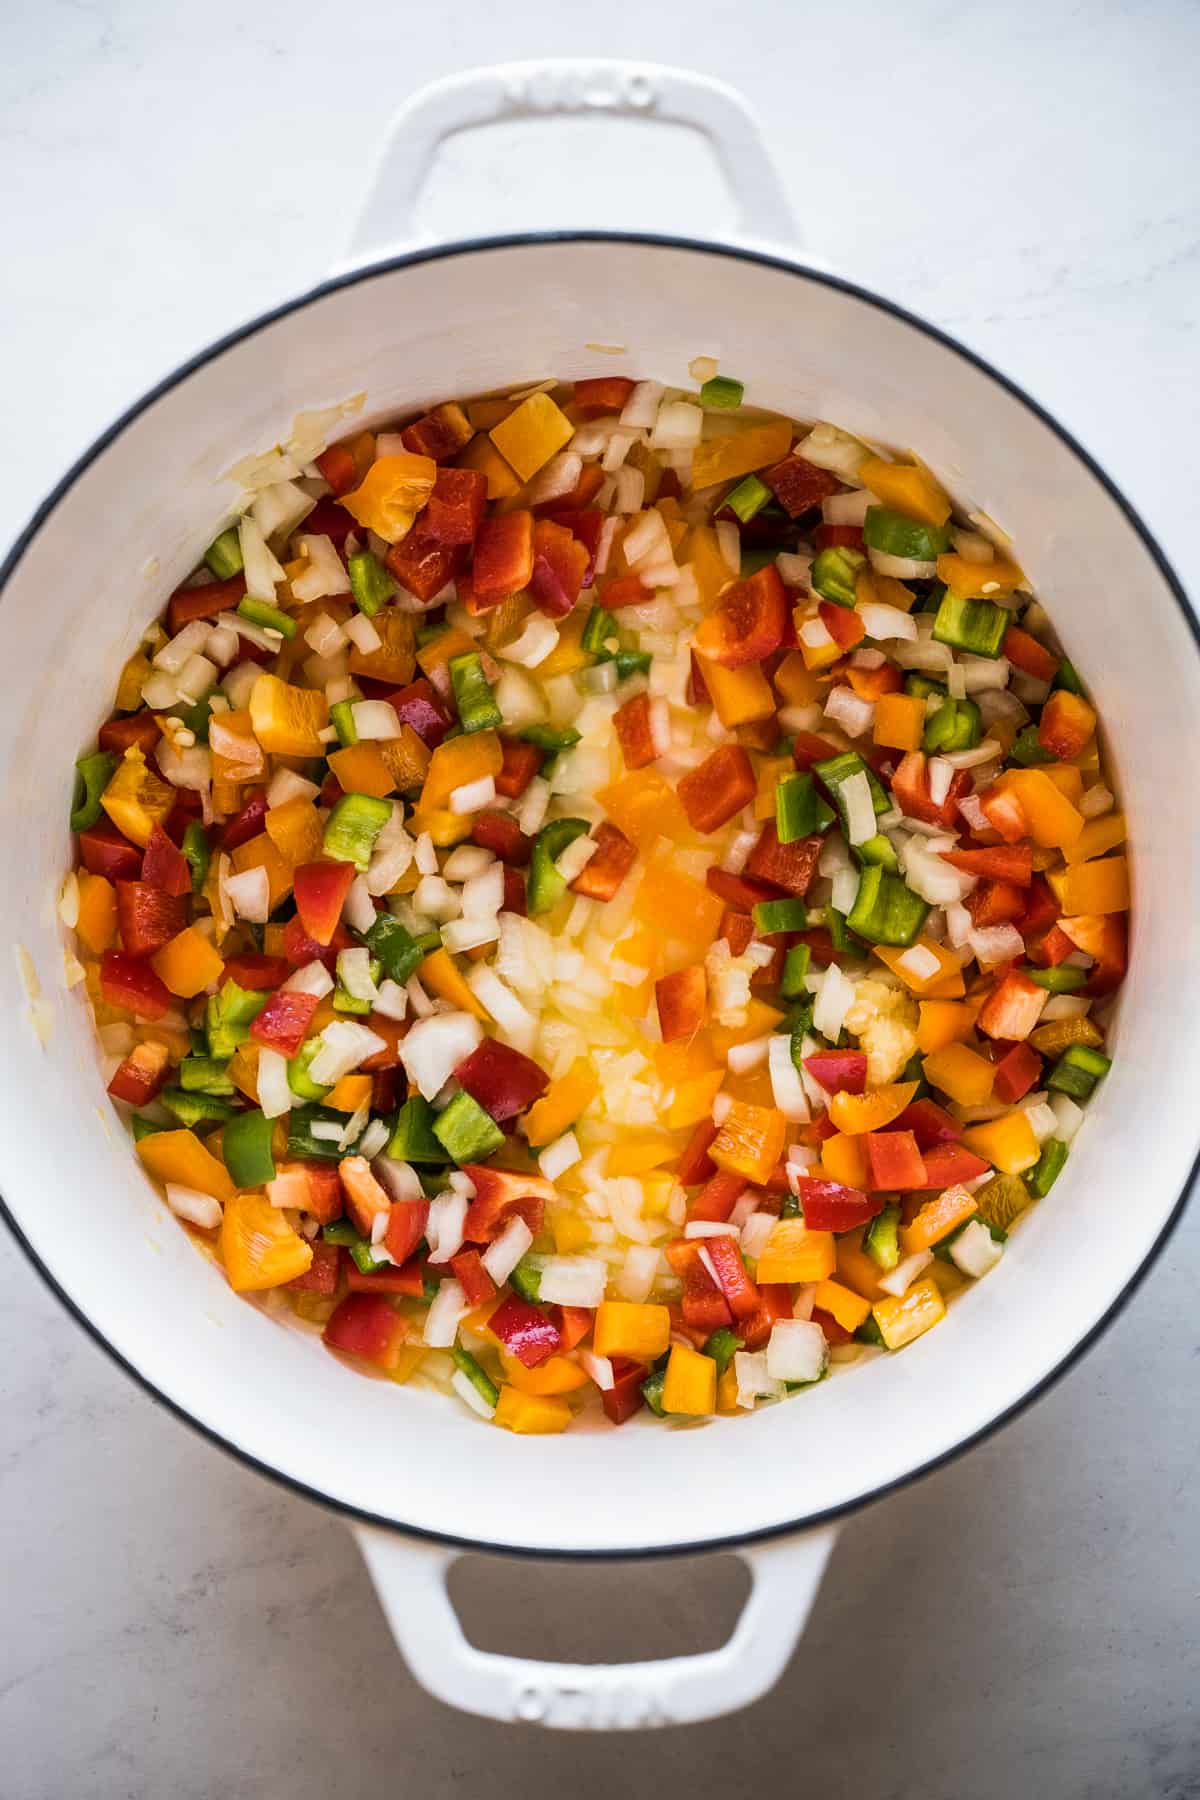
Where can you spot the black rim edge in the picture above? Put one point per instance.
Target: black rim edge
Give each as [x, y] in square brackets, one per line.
[439, 253]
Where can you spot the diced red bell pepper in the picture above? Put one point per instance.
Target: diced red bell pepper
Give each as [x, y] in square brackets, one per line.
[948, 1164]
[320, 889]
[910, 790]
[300, 949]
[873, 684]
[583, 521]
[930, 1124]
[749, 622]
[834, 1206]
[842, 623]
[808, 748]
[670, 487]
[787, 866]
[776, 1304]
[1104, 937]
[1017, 1073]
[504, 555]
[473, 1278]
[130, 982]
[420, 706]
[338, 468]
[574, 1323]
[405, 1228]
[250, 969]
[525, 1330]
[1041, 909]
[834, 1333]
[696, 1164]
[386, 1093]
[521, 763]
[456, 506]
[631, 723]
[392, 1031]
[188, 806]
[831, 537]
[720, 787]
[106, 851]
[422, 565]
[703, 1305]
[365, 1325]
[820, 1130]
[607, 868]
[323, 1197]
[736, 891]
[591, 480]
[560, 563]
[247, 823]
[1012, 1009]
[799, 485]
[624, 590]
[328, 519]
[998, 862]
[741, 1295]
[331, 788]
[995, 903]
[121, 734]
[284, 1021]
[321, 1275]
[718, 1197]
[501, 1193]
[164, 866]
[187, 604]
[894, 1160]
[602, 394]
[500, 833]
[440, 433]
[408, 1279]
[147, 918]
[516, 898]
[839, 1071]
[1025, 653]
[1004, 813]
[624, 1397]
[503, 1081]
[1052, 949]
[824, 950]
[141, 1075]
[737, 929]
[697, 687]
[681, 999]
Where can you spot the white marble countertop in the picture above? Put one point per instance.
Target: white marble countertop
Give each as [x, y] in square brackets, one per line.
[1026, 1619]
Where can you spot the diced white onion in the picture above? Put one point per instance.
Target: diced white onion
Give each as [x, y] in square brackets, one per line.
[575, 858]
[996, 944]
[859, 807]
[975, 1251]
[461, 935]
[847, 709]
[600, 1369]
[554, 479]
[362, 633]
[470, 1395]
[444, 1229]
[847, 509]
[677, 426]
[325, 636]
[572, 1281]
[197, 675]
[828, 447]
[630, 490]
[324, 575]
[274, 1094]
[747, 1055]
[641, 409]
[981, 673]
[637, 1273]
[515, 1021]
[786, 1087]
[344, 1044]
[467, 860]
[435, 899]
[754, 1381]
[833, 1003]
[392, 1000]
[375, 720]
[538, 638]
[1068, 1115]
[260, 568]
[313, 978]
[797, 1350]
[279, 507]
[887, 622]
[1096, 801]
[920, 962]
[354, 973]
[505, 1252]
[473, 795]
[903, 568]
[250, 894]
[286, 785]
[941, 774]
[434, 1048]
[901, 1278]
[399, 1178]
[190, 1204]
[448, 1308]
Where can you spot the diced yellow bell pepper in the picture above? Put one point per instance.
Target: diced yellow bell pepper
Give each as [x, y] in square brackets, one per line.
[296, 831]
[483, 414]
[979, 581]
[96, 924]
[136, 799]
[361, 769]
[482, 455]
[392, 493]
[179, 1156]
[530, 1415]
[873, 589]
[288, 720]
[1054, 822]
[1007, 1143]
[946, 983]
[1001, 1200]
[750, 1141]
[409, 1357]
[847, 1307]
[858, 1113]
[1060, 1034]
[571, 1232]
[961, 1074]
[459, 762]
[899, 721]
[682, 908]
[1097, 838]
[906, 488]
[187, 964]
[657, 1190]
[395, 657]
[562, 1103]
[691, 1100]
[349, 1093]
[690, 1383]
[531, 434]
[133, 677]
[727, 458]
[845, 1159]
[442, 827]
[645, 807]
[727, 1392]
[703, 551]
[433, 657]
[637, 1156]
[630, 1328]
[815, 657]
[557, 1375]
[683, 1058]
[243, 1070]
[260, 853]
[943, 1022]
[901, 1320]
[855, 1268]
[796, 684]
[1093, 887]
[936, 1219]
[771, 772]
[568, 655]
[258, 1247]
[794, 1253]
[443, 977]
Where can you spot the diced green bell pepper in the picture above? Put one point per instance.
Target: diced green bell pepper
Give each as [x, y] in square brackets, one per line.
[1027, 748]
[301, 1141]
[835, 574]
[837, 770]
[977, 626]
[599, 634]
[748, 498]
[341, 717]
[652, 1392]
[228, 1016]
[632, 662]
[723, 1346]
[196, 850]
[878, 849]
[196, 1109]
[466, 1132]
[352, 827]
[270, 618]
[342, 1232]
[92, 775]
[895, 535]
[1048, 1167]
[144, 1127]
[721, 393]
[399, 953]
[412, 1139]
[956, 725]
[546, 885]
[771, 916]
[800, 811]
[795, 971]
[881, 1239]
[477, 709]
[1068, 678]
[1064, 978]
[922, 686]
[204, 1075]
[885, 910]
[1077, 1071]
[224, 554]
[370, 583]
[526, 1278]
[299, 1080]
[553, 739]
[942, 1248]
[484, 1386]
[246, 1147]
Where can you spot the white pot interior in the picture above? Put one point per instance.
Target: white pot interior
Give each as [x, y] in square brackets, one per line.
[135, 521]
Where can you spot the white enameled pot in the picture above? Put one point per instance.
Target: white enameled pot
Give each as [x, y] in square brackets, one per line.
[419, 1477]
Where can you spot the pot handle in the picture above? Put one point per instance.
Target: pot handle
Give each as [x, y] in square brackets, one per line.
[410, 1577]
[553, 87]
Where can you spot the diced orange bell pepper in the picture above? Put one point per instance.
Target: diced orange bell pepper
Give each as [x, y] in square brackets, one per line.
[771, 772]
[568, 655]
[361, 769]
[873, 589]
[682, 1002]
[530, 1415]
[1053, 821]
[1098, 837]
[739, 696]
[631, 1328]
[571, 1233]
[842, 1303]
[288, 720]
[406, 759]
[1067, 724]
[179, 1156]
[637, 1156]
[243, 1070]
[899, 721]
[681, 908]
[433, 657]
[459, 762]
[482, 454]
[136, 798]
[794, 1253]
[855, 1268]
[96, 924]
[1008, 1143]
[946, 984]
[563, 1102]
[443, 977]
[260, 853]
[979, 581]
[901, 1320]
[531, 434]
[750, 1141]
[645, 807]
[857, 1113]
[349, 1093]
[187, 964]
[961, 1074]
[942, 1022]
[691, 1099]
[1093, 887]
[557, 1375]
[795, 684]
[258, 1247]
[703, 551]
[392, 493]
[906, 488]
[727, 1392]
[936, 1219]
[443, 829]
[296, 831]
[727, 458]
[690, 1383]
[394, 659]
[845, 1159]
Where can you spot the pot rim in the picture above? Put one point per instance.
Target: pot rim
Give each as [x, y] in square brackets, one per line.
[738, 253]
